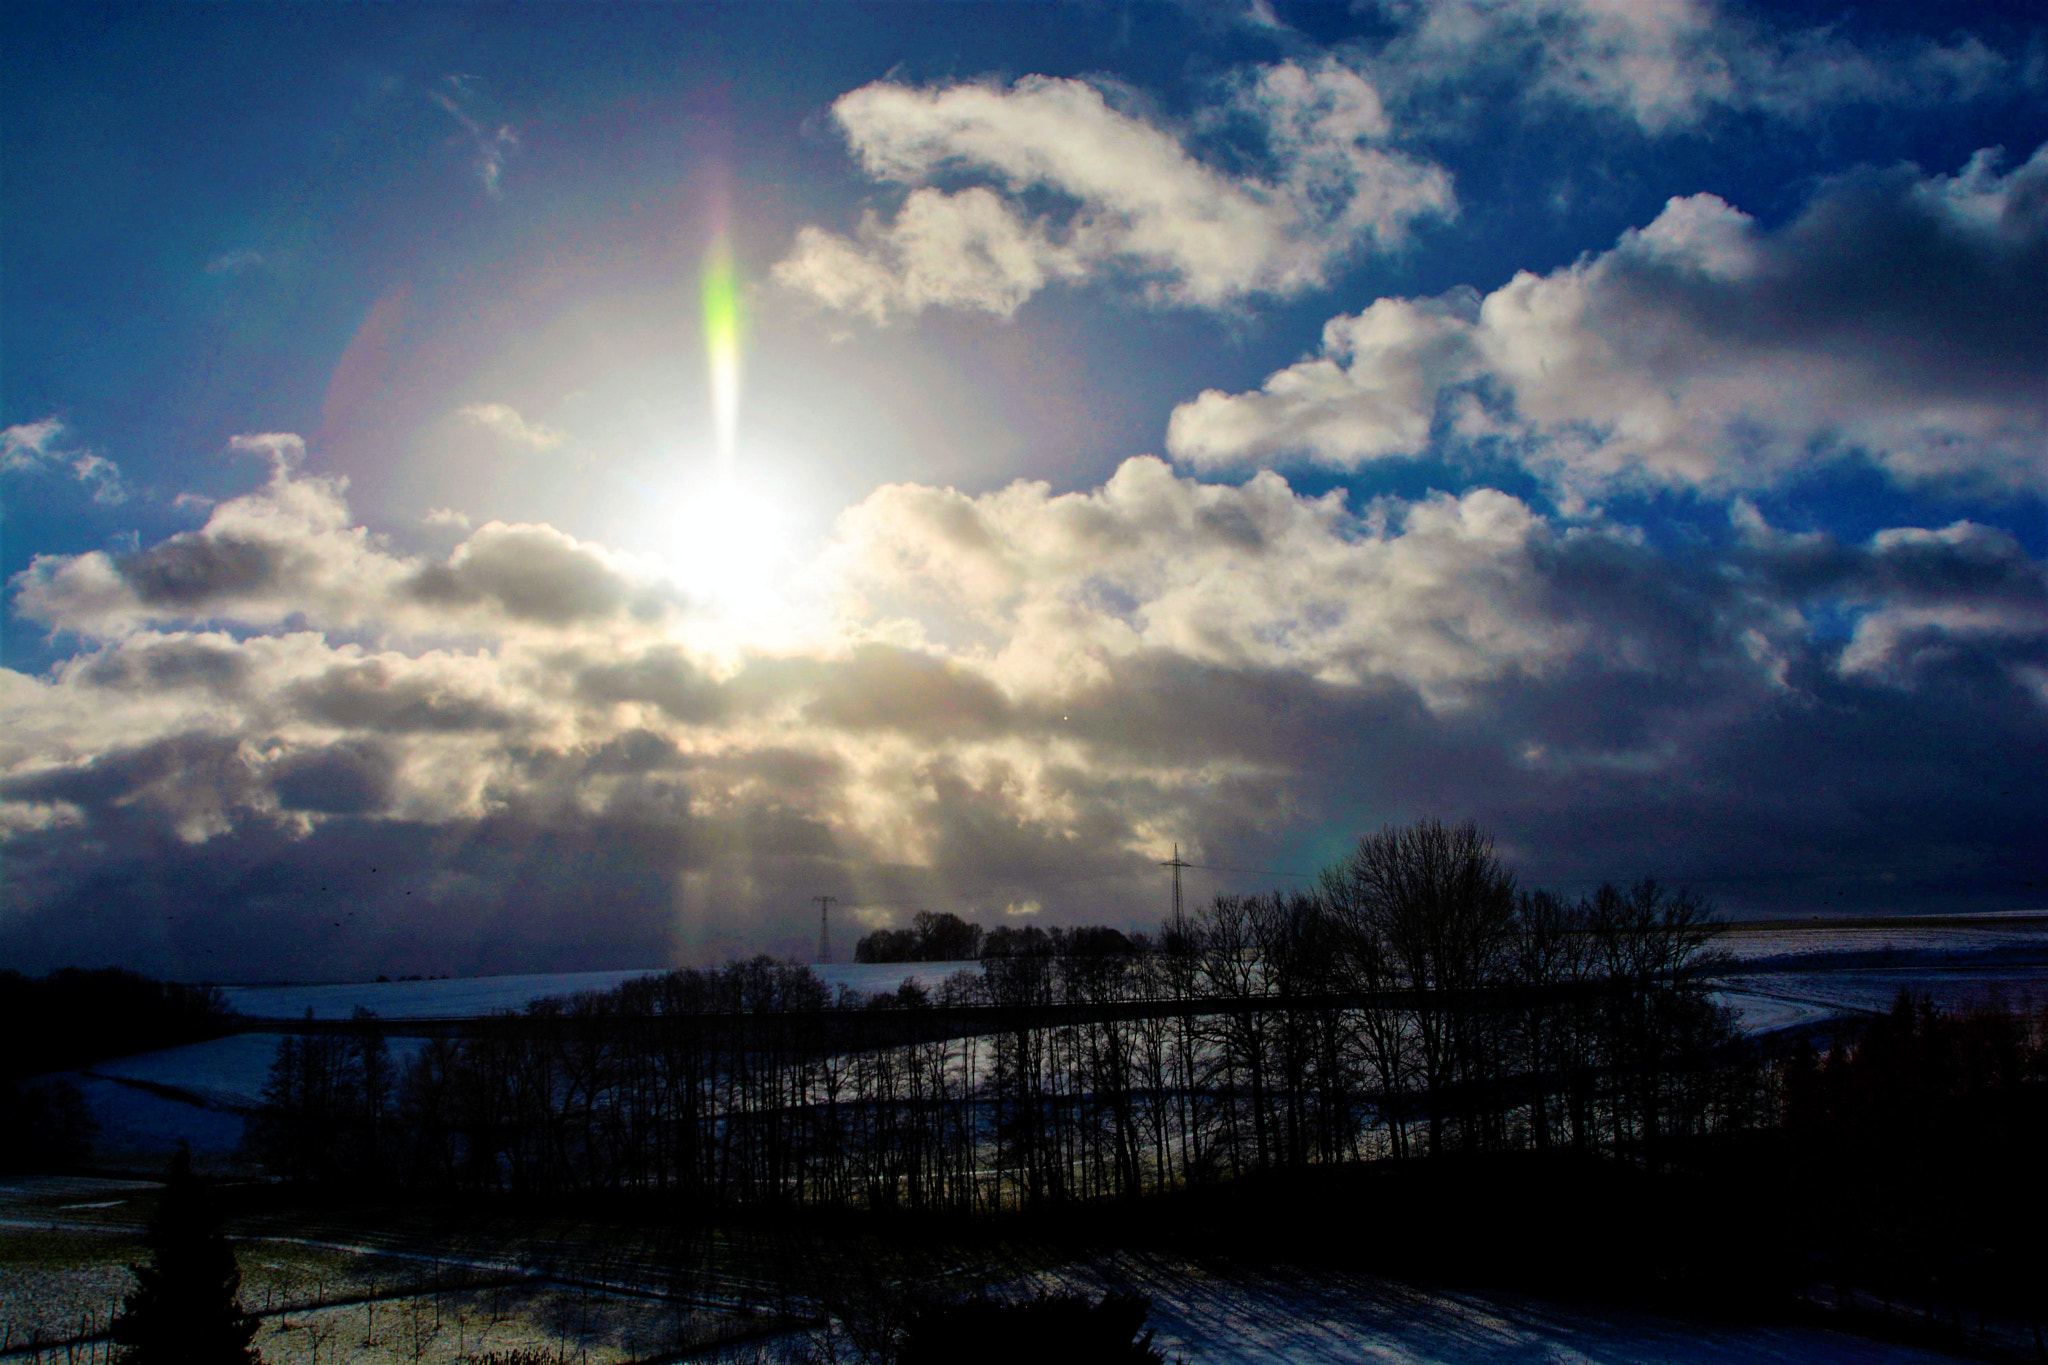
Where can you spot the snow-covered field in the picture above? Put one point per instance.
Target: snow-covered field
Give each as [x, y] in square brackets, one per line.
[1277, 1317]
[1816, 963]
[225, 1075]
[1785, 977]
[140, 1127]
[465, 997]
[1985, 934]
[1821, 993]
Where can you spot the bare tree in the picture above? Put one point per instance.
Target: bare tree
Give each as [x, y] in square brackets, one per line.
[1429, 908]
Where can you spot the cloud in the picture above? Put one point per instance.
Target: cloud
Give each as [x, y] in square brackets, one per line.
[1128, 196]
[1021, 698]
[506, 422]
[537, 574]
[1923, 601]
[493, 145]
[1666, 65]
[29, 447]
[284, 449]
[238, 262]
[1900, 315]
[291, 552]
[1052, 589]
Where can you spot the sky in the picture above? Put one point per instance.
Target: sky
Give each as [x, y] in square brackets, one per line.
[545, 487]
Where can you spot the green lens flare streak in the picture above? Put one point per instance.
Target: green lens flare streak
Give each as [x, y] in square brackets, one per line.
[722, 346]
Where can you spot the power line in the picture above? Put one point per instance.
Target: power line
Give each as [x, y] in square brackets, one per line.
[1256, 871]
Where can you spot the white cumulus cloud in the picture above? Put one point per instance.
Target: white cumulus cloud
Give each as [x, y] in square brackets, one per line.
[1900, 315]
[1130, 196]
[505, 422]
[1665, 65]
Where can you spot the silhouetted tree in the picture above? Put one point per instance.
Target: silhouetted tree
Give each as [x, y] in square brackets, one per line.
[1429, 908]
[934, 936]
[186, 1307]
[73, 1018]
[945, 938]
[1282, 1030]
[1918, 1141]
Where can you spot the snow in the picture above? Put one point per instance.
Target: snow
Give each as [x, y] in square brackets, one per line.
[451, 998]
[1834, 992]
[1779, 977]
[466, 997]
[1949, 940]
[1280, 1317]
[225, 1072]
[1761, 1011]
[135, 1123]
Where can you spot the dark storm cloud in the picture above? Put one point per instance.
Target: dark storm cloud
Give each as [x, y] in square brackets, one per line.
[367, 696]
[662, 676]
[533, 573]
[176, 775]
[1938, 290]
[881, 687]
[351, 778]
[634, 752]
[356, 897]
[169, 663]
[1964, 561]
[195, 571]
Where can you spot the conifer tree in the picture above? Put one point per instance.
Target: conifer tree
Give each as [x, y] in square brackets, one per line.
[186, 1307]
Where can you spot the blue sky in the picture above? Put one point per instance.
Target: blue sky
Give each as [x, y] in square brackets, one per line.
[1625, 425]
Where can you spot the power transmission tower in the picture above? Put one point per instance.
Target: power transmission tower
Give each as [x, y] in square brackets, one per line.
[825, 904]
[1176, 864]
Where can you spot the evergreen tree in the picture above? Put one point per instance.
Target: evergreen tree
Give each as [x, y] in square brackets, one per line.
[186, 1307]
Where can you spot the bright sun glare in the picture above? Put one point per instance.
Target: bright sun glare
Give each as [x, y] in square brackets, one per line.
[722, 541]
[724, 544]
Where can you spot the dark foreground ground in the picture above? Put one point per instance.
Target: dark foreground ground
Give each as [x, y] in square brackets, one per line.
[1523, 1259]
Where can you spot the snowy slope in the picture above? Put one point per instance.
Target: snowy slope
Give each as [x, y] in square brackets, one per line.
[464, 997]
[1279, 1317]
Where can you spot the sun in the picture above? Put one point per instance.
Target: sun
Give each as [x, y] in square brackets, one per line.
[726, 546]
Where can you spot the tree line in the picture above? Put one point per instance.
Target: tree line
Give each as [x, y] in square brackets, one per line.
[933, 936]
[1913, 1148]
[73, 1018]
[1416, 1001]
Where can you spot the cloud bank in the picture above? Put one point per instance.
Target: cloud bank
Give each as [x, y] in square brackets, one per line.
[281, 738]
[1900, 315]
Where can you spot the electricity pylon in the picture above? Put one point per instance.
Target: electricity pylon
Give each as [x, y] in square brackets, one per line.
[1176, 864]
[825, 904]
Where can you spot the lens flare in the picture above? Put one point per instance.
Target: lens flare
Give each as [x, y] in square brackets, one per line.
[722, 347]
